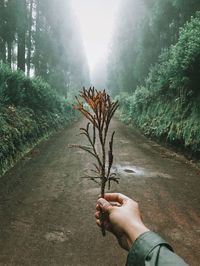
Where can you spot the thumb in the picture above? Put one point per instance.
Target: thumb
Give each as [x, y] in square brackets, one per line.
[104, 205]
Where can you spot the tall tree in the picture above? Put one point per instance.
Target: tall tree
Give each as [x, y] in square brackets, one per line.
[141, 38]
[21, 33]
[29, 41]
[41, 35]
[2, 32]
[121, 63]
[10, 28]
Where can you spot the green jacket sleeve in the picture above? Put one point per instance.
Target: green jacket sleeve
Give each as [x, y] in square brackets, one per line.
[151, 250]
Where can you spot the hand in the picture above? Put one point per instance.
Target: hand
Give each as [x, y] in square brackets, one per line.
[122, 218]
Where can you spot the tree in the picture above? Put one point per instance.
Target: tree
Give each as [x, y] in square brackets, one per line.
[29, 40]
[21, 33]
[40, 37]
[2, 32]
[123, 55]
[148, 29]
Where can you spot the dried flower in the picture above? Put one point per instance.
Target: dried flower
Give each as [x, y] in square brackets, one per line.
[102, 110]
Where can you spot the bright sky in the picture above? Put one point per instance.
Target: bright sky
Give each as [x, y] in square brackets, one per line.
[96, 19]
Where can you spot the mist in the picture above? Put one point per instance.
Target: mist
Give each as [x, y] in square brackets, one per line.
[75, 43]
[119, 82]
[96, 20]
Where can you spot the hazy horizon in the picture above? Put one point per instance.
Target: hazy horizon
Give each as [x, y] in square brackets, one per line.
[96, 21]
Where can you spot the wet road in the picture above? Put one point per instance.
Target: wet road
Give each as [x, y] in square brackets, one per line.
[47, 210]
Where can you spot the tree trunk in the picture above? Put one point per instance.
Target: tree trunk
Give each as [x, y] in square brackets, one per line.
[21, 33]
[2, 31]
[2, 51]
[21, 51]
[29, 45]
[9, 57]
[37, 36]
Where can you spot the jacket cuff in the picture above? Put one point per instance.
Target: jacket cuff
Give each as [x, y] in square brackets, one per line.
[143, 245]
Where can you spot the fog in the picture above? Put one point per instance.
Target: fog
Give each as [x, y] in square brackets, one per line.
[96, 20]
[106, 43]
[146, 55]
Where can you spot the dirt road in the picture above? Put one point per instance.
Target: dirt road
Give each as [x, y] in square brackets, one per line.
[47, 210]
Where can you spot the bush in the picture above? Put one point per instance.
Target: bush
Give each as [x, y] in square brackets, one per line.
[29, 110]
[167, 107]
[179, 67]
[19, 90]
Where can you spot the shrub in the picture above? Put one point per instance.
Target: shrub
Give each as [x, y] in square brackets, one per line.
[29, 110]
[167, 107]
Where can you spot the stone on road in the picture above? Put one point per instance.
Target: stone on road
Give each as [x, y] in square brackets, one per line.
[47, 209]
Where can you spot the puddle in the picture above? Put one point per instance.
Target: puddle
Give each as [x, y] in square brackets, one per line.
[128, 170]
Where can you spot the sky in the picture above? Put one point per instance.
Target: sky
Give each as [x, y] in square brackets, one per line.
[96, 19]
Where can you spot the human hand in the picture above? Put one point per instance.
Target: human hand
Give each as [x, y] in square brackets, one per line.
[122, 218]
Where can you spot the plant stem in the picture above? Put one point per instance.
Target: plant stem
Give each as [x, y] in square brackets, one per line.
[102, 213]
[101, 112]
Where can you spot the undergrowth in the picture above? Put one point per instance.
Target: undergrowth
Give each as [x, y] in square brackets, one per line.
[29, 110]
[167, 106]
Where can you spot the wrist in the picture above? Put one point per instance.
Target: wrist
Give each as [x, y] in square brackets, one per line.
[134, 232]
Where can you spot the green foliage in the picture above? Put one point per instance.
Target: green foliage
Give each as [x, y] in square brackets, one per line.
[122, 76]
[125, 106]
[178, 67]
[19, 90]
[167, 106]
[59, 56]
[41, 38]
[149, 28]
[29, 110]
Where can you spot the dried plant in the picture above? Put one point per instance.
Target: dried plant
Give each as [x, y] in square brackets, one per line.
[101, 111]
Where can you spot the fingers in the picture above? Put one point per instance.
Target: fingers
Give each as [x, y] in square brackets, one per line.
[98, 222]
[104, 205]
[110, 200]
[97, 215]
[116, 197]
[114, 204]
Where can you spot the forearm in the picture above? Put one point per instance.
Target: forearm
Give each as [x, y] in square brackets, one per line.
[150, 249]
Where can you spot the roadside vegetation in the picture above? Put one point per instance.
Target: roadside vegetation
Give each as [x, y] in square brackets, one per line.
[42, 67]
[165, 104]
[29, 110]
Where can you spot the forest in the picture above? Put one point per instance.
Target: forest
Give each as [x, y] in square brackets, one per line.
[42, 66]
[99, 97]
[154, 68]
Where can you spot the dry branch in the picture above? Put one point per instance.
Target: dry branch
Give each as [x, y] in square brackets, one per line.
[101, 111]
